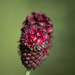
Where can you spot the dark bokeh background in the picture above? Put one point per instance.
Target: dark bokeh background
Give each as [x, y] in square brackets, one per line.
[61, 60]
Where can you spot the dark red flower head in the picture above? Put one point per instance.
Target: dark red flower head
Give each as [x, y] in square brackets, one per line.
[35, 39]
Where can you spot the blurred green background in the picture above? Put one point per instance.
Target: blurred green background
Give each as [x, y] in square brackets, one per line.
[61, 60]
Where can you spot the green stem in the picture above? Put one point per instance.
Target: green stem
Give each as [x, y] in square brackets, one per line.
[28, 71]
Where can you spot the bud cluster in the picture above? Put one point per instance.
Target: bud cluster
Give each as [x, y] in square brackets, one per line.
[35, 39]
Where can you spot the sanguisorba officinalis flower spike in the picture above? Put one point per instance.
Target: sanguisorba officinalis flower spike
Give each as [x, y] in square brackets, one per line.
[35, 40]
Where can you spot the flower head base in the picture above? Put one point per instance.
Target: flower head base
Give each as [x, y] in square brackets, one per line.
[35, 39]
